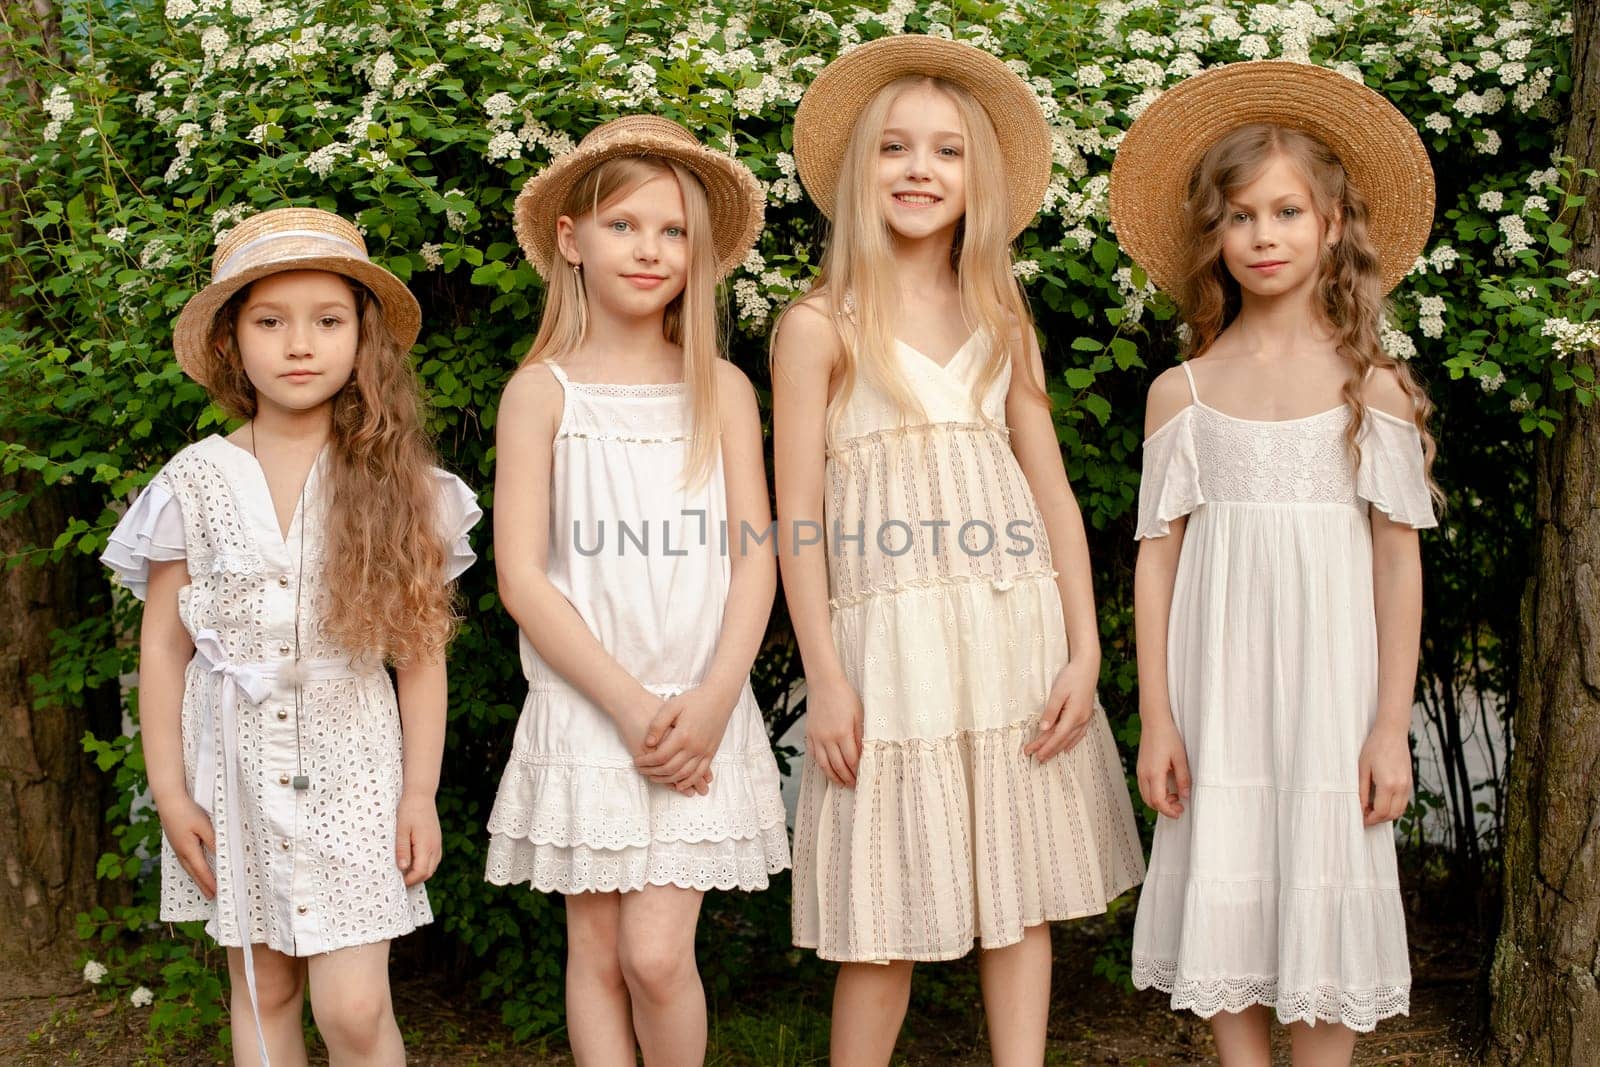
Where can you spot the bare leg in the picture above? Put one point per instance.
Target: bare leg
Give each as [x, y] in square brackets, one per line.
[1243, 1038]
[1016, 998]
[869, 1004]
[280, 993]
[1322, 1045]
[599, 1024]
[657, 953]
[350, 1000]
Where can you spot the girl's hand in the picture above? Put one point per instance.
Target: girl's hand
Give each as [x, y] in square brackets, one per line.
[683, 738]
[1164, 779]
[1067, 710]
[834, 719]
[1384, 772]
[418, 845]
[188, 829]
[636, 724]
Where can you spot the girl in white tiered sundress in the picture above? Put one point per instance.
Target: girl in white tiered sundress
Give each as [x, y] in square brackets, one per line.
[632, 542]
[1278, 589]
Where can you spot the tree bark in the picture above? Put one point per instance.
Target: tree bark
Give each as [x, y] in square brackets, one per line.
[52, 797]
[1546, 1004]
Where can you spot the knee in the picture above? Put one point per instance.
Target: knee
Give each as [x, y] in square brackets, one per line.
[351, 1018]
[657, 969]
[280, 985]
[592, 949]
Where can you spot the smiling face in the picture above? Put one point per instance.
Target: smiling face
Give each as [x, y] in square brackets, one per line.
[297, 334]
[922, 183]
[633, 250]
[1272, 237]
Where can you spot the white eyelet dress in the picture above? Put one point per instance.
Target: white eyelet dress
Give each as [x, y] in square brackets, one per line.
[317, 864]
[1269, 889]
[948, 622]
[641, 557]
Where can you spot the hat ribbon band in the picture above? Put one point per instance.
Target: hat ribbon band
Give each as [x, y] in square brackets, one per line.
[239, 259]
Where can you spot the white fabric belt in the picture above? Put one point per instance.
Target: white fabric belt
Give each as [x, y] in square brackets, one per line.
[256, 682]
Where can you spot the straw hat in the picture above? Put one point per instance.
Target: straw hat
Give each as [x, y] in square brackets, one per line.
[291, 238]
[736, 199]
[831, 106]
[1381, 153]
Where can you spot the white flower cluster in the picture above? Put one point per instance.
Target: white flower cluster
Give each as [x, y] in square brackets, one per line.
[94, 972]
[1582, 277]
[141, 997]
[1025, 269]
[1430, 316]
[1395, 343]
[1568, 338]
[786, 189]
[1491, 200]
[58, 105]
[1514, 234]
[1133, 296]
[1534, 204]
[432, 254]
[1492, 383]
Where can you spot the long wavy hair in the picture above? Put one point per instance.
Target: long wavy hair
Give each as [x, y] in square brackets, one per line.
[383, 551]
[857, 276]
[1349, 295]
[691, 321]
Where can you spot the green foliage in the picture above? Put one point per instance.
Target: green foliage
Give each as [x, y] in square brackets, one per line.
[170, 121]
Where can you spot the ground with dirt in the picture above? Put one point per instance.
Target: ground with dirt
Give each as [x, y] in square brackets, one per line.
[775, 1019]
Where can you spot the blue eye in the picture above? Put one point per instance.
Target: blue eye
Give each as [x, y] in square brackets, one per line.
[619, 226]
[1291, 212]
[675, 231]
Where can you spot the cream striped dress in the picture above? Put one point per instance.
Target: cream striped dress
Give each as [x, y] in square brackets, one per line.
[947, 619]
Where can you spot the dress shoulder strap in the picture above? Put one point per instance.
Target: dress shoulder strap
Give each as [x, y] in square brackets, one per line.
[561, 375]
[1194, 394]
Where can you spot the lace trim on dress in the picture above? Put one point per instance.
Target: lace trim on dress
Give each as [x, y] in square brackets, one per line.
[921, 429]
[1358, 1009]
[1000, 585]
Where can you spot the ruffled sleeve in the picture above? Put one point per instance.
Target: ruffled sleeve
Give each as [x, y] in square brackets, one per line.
[1169, 487]
[151, 532]
[1391, 477]
[458, 514]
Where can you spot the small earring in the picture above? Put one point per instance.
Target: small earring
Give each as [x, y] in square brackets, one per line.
[577, 268]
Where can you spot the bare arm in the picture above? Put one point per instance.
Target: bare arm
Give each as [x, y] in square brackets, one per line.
[422, 694]
[1038, 452]
[1385, 764]
[530, 411]
[805, 352]
[165, 650]
[1163, 768]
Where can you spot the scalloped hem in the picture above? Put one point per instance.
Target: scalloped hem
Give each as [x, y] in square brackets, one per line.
[744, 864]
[1360, 1010]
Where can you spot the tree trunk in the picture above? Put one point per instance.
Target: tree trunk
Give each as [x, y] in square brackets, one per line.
[1546, 1004]
[52, 798]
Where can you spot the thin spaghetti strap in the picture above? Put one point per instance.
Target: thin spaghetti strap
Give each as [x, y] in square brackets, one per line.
[1194, 394]
[561, 375]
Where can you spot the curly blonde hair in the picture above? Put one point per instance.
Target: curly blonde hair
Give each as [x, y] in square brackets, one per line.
[1349, 297]
[384, 553]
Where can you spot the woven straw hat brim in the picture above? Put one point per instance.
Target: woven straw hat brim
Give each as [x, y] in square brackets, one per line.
[191, 336]
[842, 90]
[1382, 156]
[736, 199]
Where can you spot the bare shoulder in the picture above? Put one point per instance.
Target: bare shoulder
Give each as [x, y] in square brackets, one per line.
[807, 339]
[1385, 391]
[1169, 394]
[532, 394]
[735, 394]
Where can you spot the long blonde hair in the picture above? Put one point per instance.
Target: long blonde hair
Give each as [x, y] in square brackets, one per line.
[858, 271]
[383, 552]
[1349, 296]
[691, 319]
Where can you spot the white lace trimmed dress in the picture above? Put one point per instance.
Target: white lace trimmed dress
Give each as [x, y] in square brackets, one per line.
[948, 621]
[317, 863]
[641, 557]
[1269, 889]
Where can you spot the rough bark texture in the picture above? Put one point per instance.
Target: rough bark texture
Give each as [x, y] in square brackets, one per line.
[1546, 1004]
[51, 796]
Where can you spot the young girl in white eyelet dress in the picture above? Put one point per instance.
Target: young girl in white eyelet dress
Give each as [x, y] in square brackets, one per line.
[1278, 588]
[295, 792]
[628, 470]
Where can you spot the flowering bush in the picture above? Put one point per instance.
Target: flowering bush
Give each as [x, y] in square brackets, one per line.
[177, 118]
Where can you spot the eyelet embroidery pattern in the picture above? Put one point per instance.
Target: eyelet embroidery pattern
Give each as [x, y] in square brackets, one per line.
[318, 863]
[1360, 1010]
